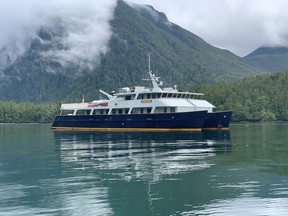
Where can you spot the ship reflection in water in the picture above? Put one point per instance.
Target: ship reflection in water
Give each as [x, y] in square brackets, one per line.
[142, 155]
[144, 173]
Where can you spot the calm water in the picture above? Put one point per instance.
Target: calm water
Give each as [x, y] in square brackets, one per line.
[241, 172]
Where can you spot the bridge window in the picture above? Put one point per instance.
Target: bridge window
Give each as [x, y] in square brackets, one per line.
[83, 112]
[128, 97]
[164, 95]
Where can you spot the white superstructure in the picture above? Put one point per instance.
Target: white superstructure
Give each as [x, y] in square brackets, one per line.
[141, 99]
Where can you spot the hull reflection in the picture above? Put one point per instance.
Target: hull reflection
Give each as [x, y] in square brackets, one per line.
[134, 140]
[127, 148]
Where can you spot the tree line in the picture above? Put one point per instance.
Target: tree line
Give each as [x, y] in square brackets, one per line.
[12, 112]
[263, 97]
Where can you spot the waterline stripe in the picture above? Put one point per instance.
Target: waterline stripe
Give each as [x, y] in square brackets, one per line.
[122, 129]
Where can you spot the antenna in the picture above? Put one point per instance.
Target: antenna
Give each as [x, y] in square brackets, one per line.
[149, 66]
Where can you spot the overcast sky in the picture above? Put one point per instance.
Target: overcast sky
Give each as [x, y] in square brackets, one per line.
[240, 26]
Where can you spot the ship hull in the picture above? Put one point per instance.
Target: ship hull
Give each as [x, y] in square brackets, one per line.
[217, 120]
[188, 121]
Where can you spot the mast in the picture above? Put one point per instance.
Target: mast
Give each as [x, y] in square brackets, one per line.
[149, 66]
[153, 78]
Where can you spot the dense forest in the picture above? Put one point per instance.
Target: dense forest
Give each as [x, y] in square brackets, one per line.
[11, 112]
[256, 98]
[263, 97]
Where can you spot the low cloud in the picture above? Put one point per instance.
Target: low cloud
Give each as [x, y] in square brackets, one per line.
[85, 23]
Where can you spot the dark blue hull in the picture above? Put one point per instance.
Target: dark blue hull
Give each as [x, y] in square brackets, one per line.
[158, 122]
[217, 120]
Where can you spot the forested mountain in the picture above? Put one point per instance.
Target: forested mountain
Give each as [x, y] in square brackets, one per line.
[263, 97]
[270, 59]
[177, 55]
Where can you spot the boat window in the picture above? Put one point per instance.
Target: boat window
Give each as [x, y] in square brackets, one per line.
[165, 110]
[141, 110]
[100, 111]
[153, 95]
[179, 96]
[120, 111]
[169, 95]
[140, 96]
[158, 95]
[135, 111]
[164, 95]
[148, 96]
[83, 112]
[67, 112]
[128, 97]
[183, 95]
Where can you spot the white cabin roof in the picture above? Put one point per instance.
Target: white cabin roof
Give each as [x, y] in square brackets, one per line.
[201, 103]
[74, 106]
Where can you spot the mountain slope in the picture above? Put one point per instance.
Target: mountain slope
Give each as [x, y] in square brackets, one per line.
[175, 51]
[270, 59]
[178, 56]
